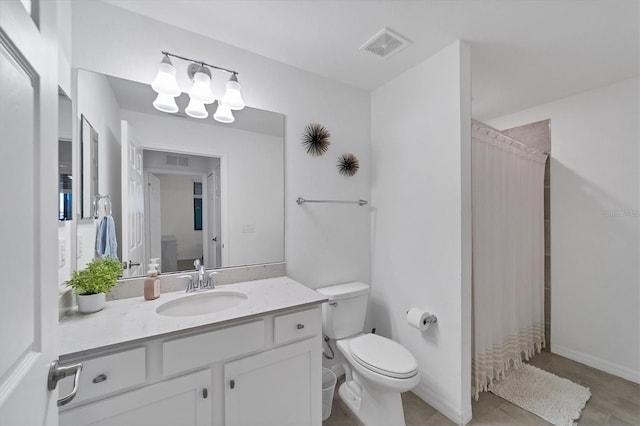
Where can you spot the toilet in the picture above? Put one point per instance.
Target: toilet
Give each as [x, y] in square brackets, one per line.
[377, 369]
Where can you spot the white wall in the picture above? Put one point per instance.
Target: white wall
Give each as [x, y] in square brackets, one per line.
[325, 244]
[595, 300]
[96, 100]
[421, 221]
[254, 179]
[63, 16]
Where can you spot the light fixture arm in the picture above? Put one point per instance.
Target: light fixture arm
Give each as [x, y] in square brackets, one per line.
[201, 63]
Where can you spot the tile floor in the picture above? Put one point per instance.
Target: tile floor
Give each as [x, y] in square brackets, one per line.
[614, 401]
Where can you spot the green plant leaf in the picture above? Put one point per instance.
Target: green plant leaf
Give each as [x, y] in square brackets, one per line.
[99, 276]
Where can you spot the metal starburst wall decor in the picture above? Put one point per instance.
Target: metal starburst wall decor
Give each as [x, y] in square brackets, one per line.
[316, 139]
[348, 165]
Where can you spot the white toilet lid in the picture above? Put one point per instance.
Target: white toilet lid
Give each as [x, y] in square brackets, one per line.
[384, 356]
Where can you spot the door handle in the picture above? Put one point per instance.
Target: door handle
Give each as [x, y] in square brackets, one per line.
[58, 372]
[130, 264]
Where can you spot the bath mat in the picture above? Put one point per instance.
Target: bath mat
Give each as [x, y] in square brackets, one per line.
[557, 400]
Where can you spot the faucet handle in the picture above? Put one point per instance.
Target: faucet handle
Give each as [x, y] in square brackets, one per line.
[211, 281]
[196, 264]
[190, 286]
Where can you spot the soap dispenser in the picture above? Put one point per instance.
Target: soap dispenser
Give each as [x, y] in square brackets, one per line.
[152, 282]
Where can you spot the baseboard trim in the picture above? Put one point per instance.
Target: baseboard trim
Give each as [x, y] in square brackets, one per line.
[433, 399]
[600, 364]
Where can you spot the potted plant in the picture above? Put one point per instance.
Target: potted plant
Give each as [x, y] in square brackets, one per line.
[93, 282]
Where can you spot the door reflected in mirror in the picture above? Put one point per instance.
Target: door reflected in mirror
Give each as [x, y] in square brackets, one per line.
[183, 189]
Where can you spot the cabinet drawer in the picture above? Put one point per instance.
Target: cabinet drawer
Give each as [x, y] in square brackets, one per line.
[107, 374]
[296, 325]
[202, 349]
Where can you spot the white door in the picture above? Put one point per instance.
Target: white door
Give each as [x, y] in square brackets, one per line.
[132, 204]
[154, 217]
[213, 219]
[28, 163]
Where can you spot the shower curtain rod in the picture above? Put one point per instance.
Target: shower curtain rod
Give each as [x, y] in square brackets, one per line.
[511, 140]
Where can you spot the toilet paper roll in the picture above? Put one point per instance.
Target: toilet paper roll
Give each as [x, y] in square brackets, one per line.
[419, 319]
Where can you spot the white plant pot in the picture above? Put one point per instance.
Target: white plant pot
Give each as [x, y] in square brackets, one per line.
[89, 303]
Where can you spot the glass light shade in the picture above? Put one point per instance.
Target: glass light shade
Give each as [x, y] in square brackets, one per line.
[165, 81]
[223, 114]
[165, 103]
[196, 109]
[201, 90]
[233, 96]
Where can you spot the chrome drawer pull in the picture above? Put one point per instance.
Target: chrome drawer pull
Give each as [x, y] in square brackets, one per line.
[300, 326]
[100, 378]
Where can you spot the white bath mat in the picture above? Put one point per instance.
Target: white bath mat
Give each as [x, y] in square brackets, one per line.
[557, 400]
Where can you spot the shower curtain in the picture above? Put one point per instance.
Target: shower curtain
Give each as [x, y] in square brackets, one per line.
[507, 201]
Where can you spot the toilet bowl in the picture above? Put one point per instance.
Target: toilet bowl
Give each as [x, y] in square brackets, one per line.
[372, 389]
[377, 369]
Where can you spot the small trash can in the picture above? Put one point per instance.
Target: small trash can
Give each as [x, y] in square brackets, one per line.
[329, 380]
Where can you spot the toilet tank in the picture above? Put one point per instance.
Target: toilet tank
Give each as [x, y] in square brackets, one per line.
[343, 315]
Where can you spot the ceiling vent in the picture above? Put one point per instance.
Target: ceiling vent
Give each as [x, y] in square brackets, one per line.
[175, 160]
[385, 44]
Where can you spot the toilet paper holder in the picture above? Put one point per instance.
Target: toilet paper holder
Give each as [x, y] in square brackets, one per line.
[426, 320]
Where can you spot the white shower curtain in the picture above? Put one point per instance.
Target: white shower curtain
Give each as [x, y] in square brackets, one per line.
[508, 254]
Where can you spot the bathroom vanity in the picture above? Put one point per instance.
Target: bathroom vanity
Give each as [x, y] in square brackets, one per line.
[258, 362]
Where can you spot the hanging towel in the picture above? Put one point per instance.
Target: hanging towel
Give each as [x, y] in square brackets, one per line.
[106, 243]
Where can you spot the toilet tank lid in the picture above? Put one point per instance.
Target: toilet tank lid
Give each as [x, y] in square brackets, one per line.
[342, 291]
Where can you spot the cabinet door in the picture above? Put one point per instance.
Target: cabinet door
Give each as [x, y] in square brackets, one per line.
[278, 387]
[184, 400]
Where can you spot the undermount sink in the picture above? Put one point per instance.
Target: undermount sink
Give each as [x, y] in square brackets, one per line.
[201, 304]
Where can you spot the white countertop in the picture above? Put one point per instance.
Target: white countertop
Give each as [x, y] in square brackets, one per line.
[128, 320]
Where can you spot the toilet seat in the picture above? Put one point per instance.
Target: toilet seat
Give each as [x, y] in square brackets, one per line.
[383, 356]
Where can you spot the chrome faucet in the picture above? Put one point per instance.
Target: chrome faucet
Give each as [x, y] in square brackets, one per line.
[210, 282]
[199, 283]
[190, 283]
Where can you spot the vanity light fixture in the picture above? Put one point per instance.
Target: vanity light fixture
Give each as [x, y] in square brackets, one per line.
[223, 113]
[200, 94]
[233, 97]
[165, 103]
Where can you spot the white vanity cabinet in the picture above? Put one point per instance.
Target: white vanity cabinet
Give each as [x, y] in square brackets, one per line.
[180, 401]
[279, 386]
[260, 371]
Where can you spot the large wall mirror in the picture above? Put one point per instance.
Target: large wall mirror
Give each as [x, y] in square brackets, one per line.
[66, 224]
[180, 188]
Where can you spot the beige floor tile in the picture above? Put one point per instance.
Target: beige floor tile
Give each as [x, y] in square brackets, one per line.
[614, 421]
[614, 401]
[416, 411]
[592, 416]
